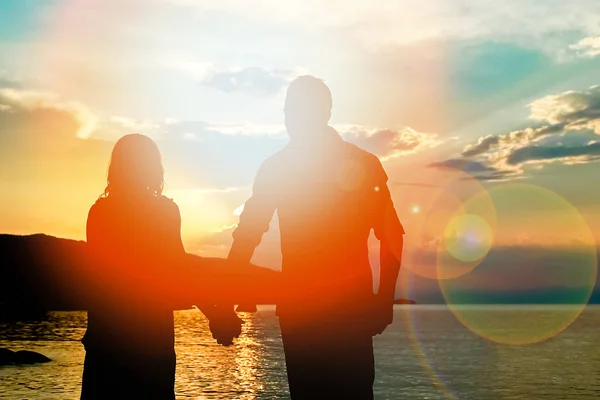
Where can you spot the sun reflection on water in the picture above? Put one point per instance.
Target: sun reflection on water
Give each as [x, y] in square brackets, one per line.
[247, 359]
[245, 370]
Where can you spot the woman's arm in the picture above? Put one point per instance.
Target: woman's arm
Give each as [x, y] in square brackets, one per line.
[95, 280]
[171, 273]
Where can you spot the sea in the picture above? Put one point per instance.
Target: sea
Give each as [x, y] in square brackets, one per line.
[429, 352]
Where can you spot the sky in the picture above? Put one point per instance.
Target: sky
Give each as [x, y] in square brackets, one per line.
[486, 107]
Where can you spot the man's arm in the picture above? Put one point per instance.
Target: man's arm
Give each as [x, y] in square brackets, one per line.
[389, 271]
[254, 220]
[390, 232]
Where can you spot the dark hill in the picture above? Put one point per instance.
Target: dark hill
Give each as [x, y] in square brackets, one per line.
[40, 272]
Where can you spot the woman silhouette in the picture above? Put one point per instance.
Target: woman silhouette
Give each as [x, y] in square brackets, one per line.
[133, 233]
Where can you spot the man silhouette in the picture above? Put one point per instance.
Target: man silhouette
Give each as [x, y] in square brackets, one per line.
[328, 195]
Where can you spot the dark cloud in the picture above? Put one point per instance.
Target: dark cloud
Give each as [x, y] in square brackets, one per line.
[551, 129]
[463, 165]
[482, 146]
[541, 153]
[489, 143]
[253, 80]
[476, 169]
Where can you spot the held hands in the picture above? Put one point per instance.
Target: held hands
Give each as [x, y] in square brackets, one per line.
[224, 324]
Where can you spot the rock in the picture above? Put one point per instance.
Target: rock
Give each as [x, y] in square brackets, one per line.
[6, 356]
[9, 357]
[30, 357]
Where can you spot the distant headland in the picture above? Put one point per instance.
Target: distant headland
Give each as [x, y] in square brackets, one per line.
[404, 301]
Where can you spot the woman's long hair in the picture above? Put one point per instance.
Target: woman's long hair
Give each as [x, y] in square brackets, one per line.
[135, 168]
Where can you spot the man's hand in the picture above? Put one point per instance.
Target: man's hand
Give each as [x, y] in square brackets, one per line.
[224, 324]
[383, 316]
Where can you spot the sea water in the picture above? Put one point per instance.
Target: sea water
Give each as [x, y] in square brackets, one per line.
[429, 352]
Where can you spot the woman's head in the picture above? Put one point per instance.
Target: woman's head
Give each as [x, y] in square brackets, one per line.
[135, 167]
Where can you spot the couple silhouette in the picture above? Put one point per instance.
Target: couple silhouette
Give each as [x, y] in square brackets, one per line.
[328, 194]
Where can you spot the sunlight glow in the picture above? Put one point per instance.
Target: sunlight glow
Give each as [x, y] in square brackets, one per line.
[238, 211]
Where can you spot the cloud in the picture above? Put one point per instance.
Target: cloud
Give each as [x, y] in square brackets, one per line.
[587, 47]
[391, 22]
[216, 154]
[112, 128]
[41, 126]
[567, 129]
[384, 143]
[246, 128]
[8, 79]
[463, 165]
[534, 146]
[251, 79]
[476, 169]
[571, 155]
[254, 80]
[482, 146]
[23, 103]
[219, 155]
[52, 170]
[200, 153]
[388, 143]
[192, 131]
[570, 110]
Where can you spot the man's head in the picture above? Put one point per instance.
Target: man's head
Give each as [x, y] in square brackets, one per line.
[307, 107]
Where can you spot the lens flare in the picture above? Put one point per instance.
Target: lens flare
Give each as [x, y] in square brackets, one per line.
[439, 351]
[412, 323]
[544, 254]
[431, 249]
[468, 237]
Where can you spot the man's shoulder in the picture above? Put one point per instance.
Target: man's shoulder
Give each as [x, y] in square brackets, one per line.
[276, 161]
[369, 160]
[276, 158]
[359, 153]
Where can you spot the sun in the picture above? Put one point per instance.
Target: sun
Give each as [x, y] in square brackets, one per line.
[415, 209]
